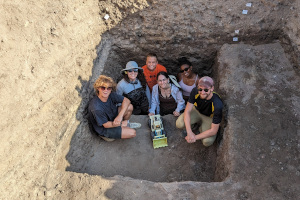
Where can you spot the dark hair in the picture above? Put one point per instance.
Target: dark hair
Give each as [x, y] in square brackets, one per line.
[162, 73]
[140, 77]
[167, 76]
[184, 61]
[152, 55]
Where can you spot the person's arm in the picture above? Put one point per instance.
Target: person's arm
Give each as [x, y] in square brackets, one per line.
[198, 78]
[124, 106]
[190, 138]
[148, 95]
[180, 103]
[111, 124]
[153, 102]
[208, 133]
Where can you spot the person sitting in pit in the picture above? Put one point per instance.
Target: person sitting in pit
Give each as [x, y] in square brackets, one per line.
[151, 70]
[166, 97]
[203, 106]
[105, 118]
[134, 87]
[187, 78]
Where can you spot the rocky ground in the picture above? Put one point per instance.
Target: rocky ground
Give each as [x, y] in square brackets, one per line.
[51, 52]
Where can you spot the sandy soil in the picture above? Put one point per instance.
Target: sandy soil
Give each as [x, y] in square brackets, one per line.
[48, 59]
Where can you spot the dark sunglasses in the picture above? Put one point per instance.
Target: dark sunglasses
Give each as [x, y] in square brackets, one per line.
[132, 70]
[205, 90]
[103, 88]
[184, 69]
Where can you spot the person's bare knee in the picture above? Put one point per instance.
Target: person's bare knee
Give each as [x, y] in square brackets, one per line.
[130, 108]
[128, 132]
[128, 112]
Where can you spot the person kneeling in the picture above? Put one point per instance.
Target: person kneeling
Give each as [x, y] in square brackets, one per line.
[105, 118]
[207, 110]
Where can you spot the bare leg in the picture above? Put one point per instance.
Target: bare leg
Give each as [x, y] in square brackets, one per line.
[128, 132]
[127, 113]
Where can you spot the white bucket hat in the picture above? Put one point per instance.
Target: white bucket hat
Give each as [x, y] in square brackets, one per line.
[174, 80]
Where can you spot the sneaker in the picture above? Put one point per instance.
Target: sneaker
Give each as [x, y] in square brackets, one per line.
[107, 139]
[134, 125]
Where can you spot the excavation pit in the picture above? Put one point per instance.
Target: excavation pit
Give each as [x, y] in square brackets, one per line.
[136, 157]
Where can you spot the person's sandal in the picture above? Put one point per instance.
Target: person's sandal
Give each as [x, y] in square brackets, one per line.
[107, 139]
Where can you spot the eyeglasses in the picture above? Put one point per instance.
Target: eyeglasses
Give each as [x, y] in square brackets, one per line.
[184, 69]
[205, 90]
[132, 70]
[103, 88]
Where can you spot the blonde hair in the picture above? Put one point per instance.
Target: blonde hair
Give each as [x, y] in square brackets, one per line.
[104, 80]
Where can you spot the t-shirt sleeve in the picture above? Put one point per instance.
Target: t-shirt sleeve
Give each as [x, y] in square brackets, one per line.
[116, 98]
[99, 117]
[162, 68]
[193, 94]
[217, 118]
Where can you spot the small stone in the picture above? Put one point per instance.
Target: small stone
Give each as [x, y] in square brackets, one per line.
[106, 17]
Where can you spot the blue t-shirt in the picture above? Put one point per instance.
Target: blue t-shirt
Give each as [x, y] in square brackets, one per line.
[101, 112]
[212, 107]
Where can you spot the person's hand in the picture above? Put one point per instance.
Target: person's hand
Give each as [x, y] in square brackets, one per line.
[190, 138]
[150, 114]
[176, 114]
[117, 121]
[124, 123]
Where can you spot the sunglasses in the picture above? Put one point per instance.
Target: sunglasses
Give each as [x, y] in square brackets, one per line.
[103, 88]
[184, 69]
[132, 70]
[205, 90]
